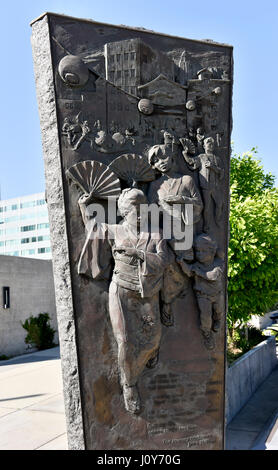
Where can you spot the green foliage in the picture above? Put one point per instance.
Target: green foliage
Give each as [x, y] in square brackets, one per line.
[40, 334]
[248, 338]
[242, 340]
[247, 177]
[253, 247]
[3, 357]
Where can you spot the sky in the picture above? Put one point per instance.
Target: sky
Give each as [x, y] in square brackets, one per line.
[250, 26]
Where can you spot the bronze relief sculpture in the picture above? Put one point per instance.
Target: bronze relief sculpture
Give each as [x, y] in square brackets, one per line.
[136, 132]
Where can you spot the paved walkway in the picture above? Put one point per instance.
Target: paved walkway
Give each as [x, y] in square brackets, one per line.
[31, 402]
[32, 409]
[255, 427]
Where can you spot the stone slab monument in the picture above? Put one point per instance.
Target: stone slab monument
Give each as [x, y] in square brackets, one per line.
[136, 137]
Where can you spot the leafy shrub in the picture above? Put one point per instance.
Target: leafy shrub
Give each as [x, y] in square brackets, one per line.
[242, 341]
[250, 339]
[40, 334]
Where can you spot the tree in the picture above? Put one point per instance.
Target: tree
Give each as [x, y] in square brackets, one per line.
[253, 246]
[40, 334]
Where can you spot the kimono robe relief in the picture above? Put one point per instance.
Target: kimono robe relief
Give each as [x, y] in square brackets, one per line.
[134, 290]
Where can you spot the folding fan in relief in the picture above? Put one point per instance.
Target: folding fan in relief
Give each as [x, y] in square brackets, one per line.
[95, 178]
[132, 168]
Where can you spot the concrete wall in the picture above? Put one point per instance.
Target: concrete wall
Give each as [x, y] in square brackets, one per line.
[31, 292]
[247, 373]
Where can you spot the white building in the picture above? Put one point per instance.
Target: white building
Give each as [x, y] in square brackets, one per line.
[24, 227]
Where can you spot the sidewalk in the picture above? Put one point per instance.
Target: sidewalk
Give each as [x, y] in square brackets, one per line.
[255, 427]
[31, 402]
[32, 408]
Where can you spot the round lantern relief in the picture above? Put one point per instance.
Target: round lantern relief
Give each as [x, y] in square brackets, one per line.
[145, 106]
[190, 105]
[73, 71]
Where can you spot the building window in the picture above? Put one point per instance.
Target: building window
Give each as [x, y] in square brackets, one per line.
[43, 237]
[29, 240]
[24, 205]
[40, 202]
[40, 226]
[11, 242]
[27, 252]
[44, 250]
[6, 297]
[28, 228]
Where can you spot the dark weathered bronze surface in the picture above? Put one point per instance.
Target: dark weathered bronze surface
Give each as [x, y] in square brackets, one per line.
[131, 98]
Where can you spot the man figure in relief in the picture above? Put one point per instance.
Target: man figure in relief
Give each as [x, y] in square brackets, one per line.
[210, 175]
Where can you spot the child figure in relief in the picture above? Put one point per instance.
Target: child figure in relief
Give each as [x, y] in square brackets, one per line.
[207, 272]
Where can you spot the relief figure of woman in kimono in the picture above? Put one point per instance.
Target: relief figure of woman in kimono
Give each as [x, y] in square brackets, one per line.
[138, 259]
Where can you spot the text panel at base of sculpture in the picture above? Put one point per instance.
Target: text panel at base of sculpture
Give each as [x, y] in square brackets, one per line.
[144, 128]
